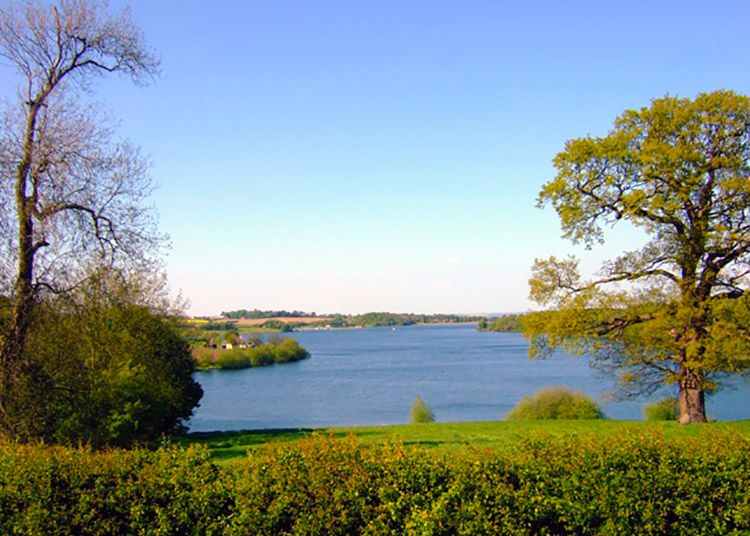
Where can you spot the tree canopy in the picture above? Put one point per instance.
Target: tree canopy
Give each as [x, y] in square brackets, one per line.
[676, 311]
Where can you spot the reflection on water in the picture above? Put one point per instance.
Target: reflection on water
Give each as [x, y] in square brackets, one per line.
[371, 376]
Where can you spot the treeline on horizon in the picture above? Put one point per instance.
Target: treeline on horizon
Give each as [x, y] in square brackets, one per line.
[256, 314]
[373, 319]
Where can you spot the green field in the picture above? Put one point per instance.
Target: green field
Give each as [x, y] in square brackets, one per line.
[233, 446]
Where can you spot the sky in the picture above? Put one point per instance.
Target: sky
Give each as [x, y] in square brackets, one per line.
[352, 156]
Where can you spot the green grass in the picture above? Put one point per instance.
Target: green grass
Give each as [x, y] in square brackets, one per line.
[228, 446]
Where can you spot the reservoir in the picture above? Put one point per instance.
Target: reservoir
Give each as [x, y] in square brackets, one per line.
[371, 376]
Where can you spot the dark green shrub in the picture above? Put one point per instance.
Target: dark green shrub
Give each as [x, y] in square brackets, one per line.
[113, 374]
[420, 412]
[276, 324]
[65, 491]
[666, 409]
[262, 356]
[235, 358]
[555, 403]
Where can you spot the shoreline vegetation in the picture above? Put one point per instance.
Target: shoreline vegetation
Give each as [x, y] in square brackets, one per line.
[504, 323]
[276, 350]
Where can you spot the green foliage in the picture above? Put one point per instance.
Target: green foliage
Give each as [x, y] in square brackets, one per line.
[121, 375]
[276, 325]
[626, 484]
[65, 491]
[289, 350]
[420, 412]
[504, 323]
[262, 356]
[231, 336]
[675, 310]
[555, 403]
[666, 409]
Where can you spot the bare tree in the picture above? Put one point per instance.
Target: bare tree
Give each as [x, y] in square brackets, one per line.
[73, 194]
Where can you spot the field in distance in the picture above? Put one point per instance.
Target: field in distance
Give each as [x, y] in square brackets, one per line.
[285, 319]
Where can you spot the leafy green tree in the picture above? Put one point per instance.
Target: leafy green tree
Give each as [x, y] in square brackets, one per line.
[232, 336]
[675, 311]
[109, 372]
[420, 412]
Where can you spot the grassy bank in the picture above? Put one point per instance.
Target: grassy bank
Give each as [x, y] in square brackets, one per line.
[234, 446]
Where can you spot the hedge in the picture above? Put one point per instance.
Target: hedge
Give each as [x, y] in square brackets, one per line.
[637, 484]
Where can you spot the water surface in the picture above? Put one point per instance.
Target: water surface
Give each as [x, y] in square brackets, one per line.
[371, 376]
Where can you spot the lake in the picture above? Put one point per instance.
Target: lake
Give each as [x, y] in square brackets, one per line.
[371, 376]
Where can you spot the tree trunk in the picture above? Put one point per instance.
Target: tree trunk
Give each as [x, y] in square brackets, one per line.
[692, 398]
[14, 339]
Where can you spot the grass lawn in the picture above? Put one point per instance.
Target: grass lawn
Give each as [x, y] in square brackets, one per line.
[228, 446]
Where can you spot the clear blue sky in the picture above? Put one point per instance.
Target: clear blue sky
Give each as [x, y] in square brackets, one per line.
[352, 156]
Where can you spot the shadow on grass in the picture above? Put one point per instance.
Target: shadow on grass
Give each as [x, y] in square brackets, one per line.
[235, 438]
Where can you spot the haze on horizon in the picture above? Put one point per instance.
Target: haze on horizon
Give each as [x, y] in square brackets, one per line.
[386, 156]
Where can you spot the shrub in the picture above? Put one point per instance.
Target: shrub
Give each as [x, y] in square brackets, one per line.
[277, 350]
[633, 483]
[420, 412]
[232, 359]
[666, 409]
[555, 402]
[262, 356]
[289, 350]
[117, 373]
[205, 358]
